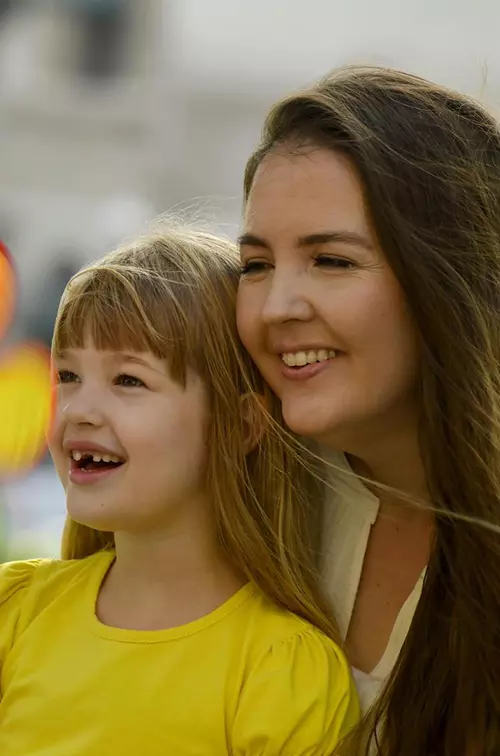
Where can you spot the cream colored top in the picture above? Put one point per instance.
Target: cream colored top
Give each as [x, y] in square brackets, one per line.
[351, 509]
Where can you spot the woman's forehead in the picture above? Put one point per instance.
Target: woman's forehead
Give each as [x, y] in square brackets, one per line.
[297, 196]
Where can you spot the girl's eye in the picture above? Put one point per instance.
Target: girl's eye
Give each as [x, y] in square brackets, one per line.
[254, 266]
[128, 381]
[327, 261]
[66, 376]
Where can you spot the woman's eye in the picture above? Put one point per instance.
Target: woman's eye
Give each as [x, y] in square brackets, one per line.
[129, 381]
[327, 261]
[66, 376]
[254, 266]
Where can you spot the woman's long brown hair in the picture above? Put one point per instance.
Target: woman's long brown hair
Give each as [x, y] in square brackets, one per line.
[429, 160]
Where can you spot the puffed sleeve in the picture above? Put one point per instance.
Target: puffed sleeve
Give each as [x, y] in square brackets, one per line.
[15, 578]
[299, 701]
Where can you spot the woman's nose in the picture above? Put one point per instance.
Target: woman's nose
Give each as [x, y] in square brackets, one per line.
[286, 300]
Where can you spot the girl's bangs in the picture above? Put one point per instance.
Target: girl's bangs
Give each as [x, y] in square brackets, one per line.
[128, 309]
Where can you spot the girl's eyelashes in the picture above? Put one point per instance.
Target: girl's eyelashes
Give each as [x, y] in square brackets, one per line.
[122, 379]
[128, 381]
[66, 376]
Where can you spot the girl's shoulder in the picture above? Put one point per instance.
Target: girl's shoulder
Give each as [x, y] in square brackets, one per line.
[35, 579]
[299, 691]
[286, 640]
[15, 576]
[29, 587]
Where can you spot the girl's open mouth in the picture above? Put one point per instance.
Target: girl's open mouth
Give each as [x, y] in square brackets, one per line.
[89, 467]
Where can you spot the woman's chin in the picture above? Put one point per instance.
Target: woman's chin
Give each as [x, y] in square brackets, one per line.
[310, 425]
[335, 431]
[307, 416]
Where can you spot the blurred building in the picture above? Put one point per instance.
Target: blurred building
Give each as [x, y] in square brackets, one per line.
[102, 127]
[84, 106]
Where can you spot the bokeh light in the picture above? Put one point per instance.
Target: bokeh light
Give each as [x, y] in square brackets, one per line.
[7, 289]
[26, 396]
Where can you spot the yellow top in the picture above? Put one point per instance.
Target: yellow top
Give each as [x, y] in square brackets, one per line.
[249, 679]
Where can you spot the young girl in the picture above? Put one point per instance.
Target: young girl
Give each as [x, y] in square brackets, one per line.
[184, 617]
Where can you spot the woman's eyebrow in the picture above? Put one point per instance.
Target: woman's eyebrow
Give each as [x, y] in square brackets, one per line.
[309, 240]
[339, 237]
[251, 240]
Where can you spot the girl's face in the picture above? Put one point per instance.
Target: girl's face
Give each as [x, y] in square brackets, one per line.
[126, 407]
[319, 308]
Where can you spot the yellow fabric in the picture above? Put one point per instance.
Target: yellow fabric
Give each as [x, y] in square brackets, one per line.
[249, 679]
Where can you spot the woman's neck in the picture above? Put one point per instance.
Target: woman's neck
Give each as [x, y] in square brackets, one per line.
[404, 475]
[393, 459]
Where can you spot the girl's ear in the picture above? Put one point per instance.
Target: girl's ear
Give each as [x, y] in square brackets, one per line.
[253, 413]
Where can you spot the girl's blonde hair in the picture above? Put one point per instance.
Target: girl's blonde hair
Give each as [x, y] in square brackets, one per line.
[173, 293]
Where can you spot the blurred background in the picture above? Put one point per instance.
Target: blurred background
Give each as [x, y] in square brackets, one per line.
[114, 111]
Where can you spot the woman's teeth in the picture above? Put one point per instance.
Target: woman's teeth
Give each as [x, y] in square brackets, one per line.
[78, 456]
[299, 359]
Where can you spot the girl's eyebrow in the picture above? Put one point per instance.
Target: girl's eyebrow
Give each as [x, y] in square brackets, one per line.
[60, 355]
[114, 356]
[134, 359]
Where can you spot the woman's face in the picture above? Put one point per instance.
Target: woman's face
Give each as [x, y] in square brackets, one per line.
[319, 308]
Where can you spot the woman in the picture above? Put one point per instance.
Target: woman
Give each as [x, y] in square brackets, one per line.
[370, 301]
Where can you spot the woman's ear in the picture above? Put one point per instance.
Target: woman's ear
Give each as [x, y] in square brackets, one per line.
[254, 416]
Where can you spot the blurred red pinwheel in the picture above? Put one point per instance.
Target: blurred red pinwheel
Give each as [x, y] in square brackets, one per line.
[26, 387]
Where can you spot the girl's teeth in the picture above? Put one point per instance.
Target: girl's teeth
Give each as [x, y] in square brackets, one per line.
[77, 456]
[299, 359]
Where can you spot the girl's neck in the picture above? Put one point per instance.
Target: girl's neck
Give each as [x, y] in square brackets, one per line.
[166, 579]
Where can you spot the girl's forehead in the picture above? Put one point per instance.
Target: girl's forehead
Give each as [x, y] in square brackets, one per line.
[89, 348]
[106, 332]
